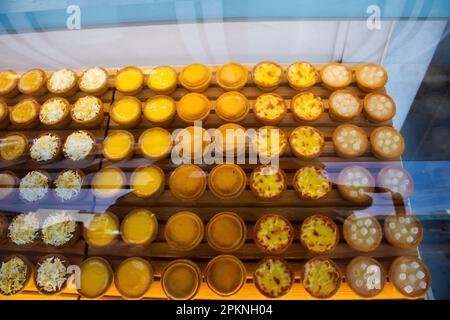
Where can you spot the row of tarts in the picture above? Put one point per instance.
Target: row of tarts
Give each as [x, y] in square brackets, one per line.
[225, 274]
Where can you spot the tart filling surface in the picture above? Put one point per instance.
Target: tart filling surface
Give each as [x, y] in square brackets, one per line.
[365, 276]
[396, 180]
[102, 229]
[270, 108]
[336, 75]
[356, 183]
[188, 182]
[78, 145]
[68, 184]
[126, 111]
[134, 277]
[321, 277]
[34, 186]
[344, 105]
[118, 145]
[192, 142]
[54, 110]
[410, 276]
[32, 81]
[129, 79]
[108, 182]
[13, 146]
[267, 74]
[403, 231]
[306, 142]
[273, 233]
[302, 75]
[96, 277]
[193, 107]
[232, 76]
[273, 277]
[232, 106]
[195, 77]
[387, 143]
[306, 106]
[162, 79]
[139, 227]
[155, 142]
[270, 142]
[87, 108]
[230, 139]
[61, 80]
[58, 228]
[25, 112]
[268, 182]
[147, 181]
[7, 185]
[93, 79]
[350, 141]
[362, 232]
[226, 232]
[51, 274]
[371, 76]
[184, 230]
[8, 81]
[181, 279]
[24, 228]
[379, 107]
[227, 181]
[225, 275]
[319, 234]
[45, 148]
[159, 109]
[14, 274]
[311, 183]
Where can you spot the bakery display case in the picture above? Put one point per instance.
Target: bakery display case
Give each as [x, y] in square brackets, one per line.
[224, 150]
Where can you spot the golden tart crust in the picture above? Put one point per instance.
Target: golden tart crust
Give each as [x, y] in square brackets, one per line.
[306, 142]
[227, 181]
[13, 146]
[397, 181]
[370, 77]
[184, 231]
[319, 234]
[226, 232]
[232, 76]
[232, 106]
[33, 82]
[386, 143]
[321, 277]
[273, 277]
[188, 182]
[306, 106]
[25, 114]
[365, 276]
[302, 75]
[94, 81]
[270, 108]
[273, 234]
[162, 80]
[15, 274]
[350, 141]
[379, 107]
[63, 82]
[225, 275]
[195, 77]
[356, 183]
[181, 279]
[267, 75]
[345, 105]
[129, 80]
[362, 232]
[403, 231]
[311, 183]
[8, 83]
[410, 276]
[262, 142]
[268, 182]
[336, 76]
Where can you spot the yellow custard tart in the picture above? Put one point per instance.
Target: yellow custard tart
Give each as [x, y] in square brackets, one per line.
[155, 143]
[55, 113]
[267, 75]
[129, 80]
[301, 75]
[101, 230]
[63, 82]
[50, 276]
[387, 143]
[34, 186]
[365, 276]
[8, 83]
[410, 276]
[344, 105]
[192, 143]
[187, 182]
[25, 114]
[8, 185]
[13, 146]
[319, 234]
[108, 183]
[227, 181]
[4, 115]
[88, 111]
[46, 148]
[269, 142]
[15, 274]
[273, 234]
[184, 231]
[195, 77]
[68, 185]
[311, 183]
[59, 229]
[96, 277]
[24, 229]
[336, 76]
[225, 275]
[159, 110]
[126, 112]
[273, 277]
[147, 181]
[162, 80]
[193, 107]
[133, 278]
[270, 108]
[229, 140]
[79, 145]
[232, 76]
[268, 182]
[181, 279]
[226, 232]
[306, 142]
[370, 77]
[139, 227]
[33, 82]
[94, 81]
[306, 106]
[379, 107]
[118, 145]
[232, 106]
[321, 277]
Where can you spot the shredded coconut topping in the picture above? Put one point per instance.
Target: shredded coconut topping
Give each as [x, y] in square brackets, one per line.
[78, 145]
[62, 79]
[68, 185]
[93, 79]
[34, 186]
[13, 275]
[45, 147]
[51, 274]
[53, 111]
[24, 228]
[86, 108]
[58, 228]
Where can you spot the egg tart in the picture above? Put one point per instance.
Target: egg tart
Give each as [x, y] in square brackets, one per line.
[232, 76]
[270, 142]
[319, 234]
[350, 141]
[46, 148]
[227, 181]
[15, 274]
[403, 231]
[159, 110]
[225, 275]
[126, 112]
[25, 114]
[8, 83]
[362, 232]
[63, 82]
[273, 277]
[232, 106]
[187, 182]
[155, 143]
[386, 143]
[379, 107]
[24, 229]
[311, 183]
[60, 229]
[195, 77]
[229, 140]
[370, 77]
[101, 230]
[13, 146]
[55, 113]
[34, 186]
[410, 276]
[68, 185]
[147, 182]
[306, 142]
[134, 277]
[129, 80]
[270, 108]
[108, 183]
[88, 111]
[79, 145]
[267, 75]
[4, 115]
[139, 227]
[344, 105]
[356, 184]
[162, 80]
[397, 181]
[336, 76]
[50, 276]
[94, 81]
[268, 182]
[365, 276]
[226, 232]
[306, 106]
[301, 75]
[184, 231]
[118, 145]
[8, 185]
[181, 279]
[193, 107]
[321, 277]
[33, 82]
[96, 276]
[192, 143]
[273, 234]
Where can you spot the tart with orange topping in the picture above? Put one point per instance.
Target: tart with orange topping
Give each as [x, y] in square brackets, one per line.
[270, 108]
[227, 181]
[181, 279]
[126, 111]
[319, 234]
[273, 233]
[87, 111]
[306, 142]
[192, 142]
[232, 76]
[184, 231]
[147, 182]
[63, 82]
[13, 146]
[225, 275]
[25, 114]
[273, 277]
[311, 183]
[108, 183]
[370, 77]
[162, 80]
[155, 143]
[226, 232]
[268, 182]
[4, 115]
[8, 187]
[229, 140]
[94, 81]
[301, 75]
[101, 230]
[33, 82]
[159, 110]
[195, 77]
[118, 145]
[8, 83]
[133, 277]
[306, 106]
[267, 75]
[129, 80]
[139, 227]
[193, 107]
[232, 106]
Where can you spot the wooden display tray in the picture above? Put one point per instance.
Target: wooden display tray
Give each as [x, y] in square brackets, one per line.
[247, 206]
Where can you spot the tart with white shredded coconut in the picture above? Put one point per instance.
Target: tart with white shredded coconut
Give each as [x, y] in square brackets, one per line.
[94, 81]
[63, 82]
[24, 229]
[79, 145]
[87, 111]
[51, 274]
[34, 186]
[59, 229]
[46, 148]
[15, 273]
[55, 112]
[68, 185]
